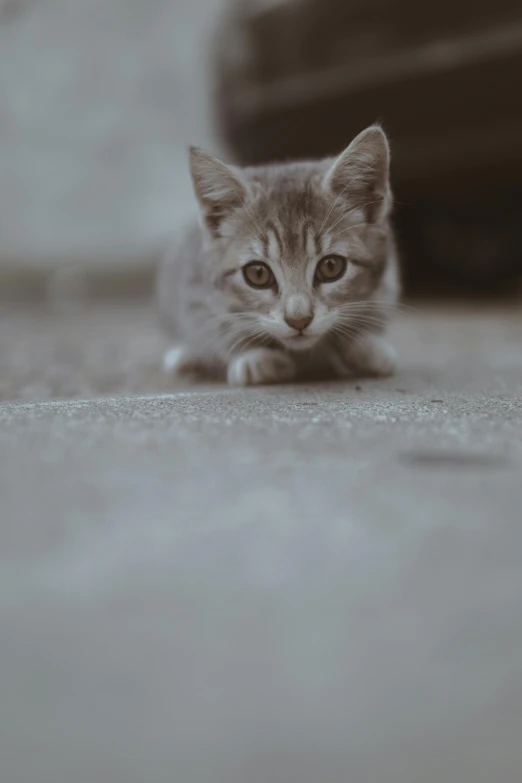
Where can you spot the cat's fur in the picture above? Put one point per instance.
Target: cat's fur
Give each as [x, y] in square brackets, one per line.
[288, 216]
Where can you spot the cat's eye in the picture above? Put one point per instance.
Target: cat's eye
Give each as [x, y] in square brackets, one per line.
[330, 268]
[258, 275]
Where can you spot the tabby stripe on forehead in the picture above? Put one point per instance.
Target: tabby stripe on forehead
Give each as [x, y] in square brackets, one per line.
[310, 243]
[264, 240]
[274, 238]
[318, 244]
[305, 238]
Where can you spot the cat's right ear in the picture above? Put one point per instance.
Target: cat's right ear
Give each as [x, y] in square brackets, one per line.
[219, 190]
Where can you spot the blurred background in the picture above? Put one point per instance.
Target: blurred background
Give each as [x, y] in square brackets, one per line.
[100, 98]
[299, 78]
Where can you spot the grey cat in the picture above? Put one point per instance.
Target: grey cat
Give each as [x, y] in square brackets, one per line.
[292, 274]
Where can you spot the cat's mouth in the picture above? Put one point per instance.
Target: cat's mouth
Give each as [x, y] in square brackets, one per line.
[300, 341]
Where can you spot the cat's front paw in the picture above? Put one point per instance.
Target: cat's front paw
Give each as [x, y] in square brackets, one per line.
[370, 355]
[259, 366]
[179, 361]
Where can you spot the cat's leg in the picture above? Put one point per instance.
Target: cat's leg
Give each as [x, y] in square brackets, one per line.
[179, 361]
[369, 354]
[260, 365]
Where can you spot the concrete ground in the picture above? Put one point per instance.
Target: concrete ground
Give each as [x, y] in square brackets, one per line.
[309, 584]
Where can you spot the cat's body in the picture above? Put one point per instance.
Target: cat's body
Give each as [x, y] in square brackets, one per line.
[292, 274]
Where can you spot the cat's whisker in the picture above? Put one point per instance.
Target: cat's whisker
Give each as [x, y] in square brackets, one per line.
[244, 341]
[343, 191]
[243, 204]
[254, 221]
[373, 315]
[346, 325]
[376, 303]
[334, 204]
[220, 342]
[387, 303]
[344, 216]
[368, 325]
[366, 311]
[344, 330]
[362, 319]
[353, 209]
[229, 317]
[348, 228]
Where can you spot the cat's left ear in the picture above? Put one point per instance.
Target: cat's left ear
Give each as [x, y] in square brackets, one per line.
[362, 172]
[218, 188]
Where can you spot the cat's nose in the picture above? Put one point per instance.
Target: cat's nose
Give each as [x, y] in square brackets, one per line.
[299, 323]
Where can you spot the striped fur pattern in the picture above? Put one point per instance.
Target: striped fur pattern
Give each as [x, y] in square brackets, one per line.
[288, 218]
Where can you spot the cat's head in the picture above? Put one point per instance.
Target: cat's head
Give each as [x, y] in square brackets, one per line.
[295, 245]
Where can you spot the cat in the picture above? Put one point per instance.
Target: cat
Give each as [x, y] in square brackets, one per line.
[292, 272]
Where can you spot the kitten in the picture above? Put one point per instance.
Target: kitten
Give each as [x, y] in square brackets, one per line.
[293, 272]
